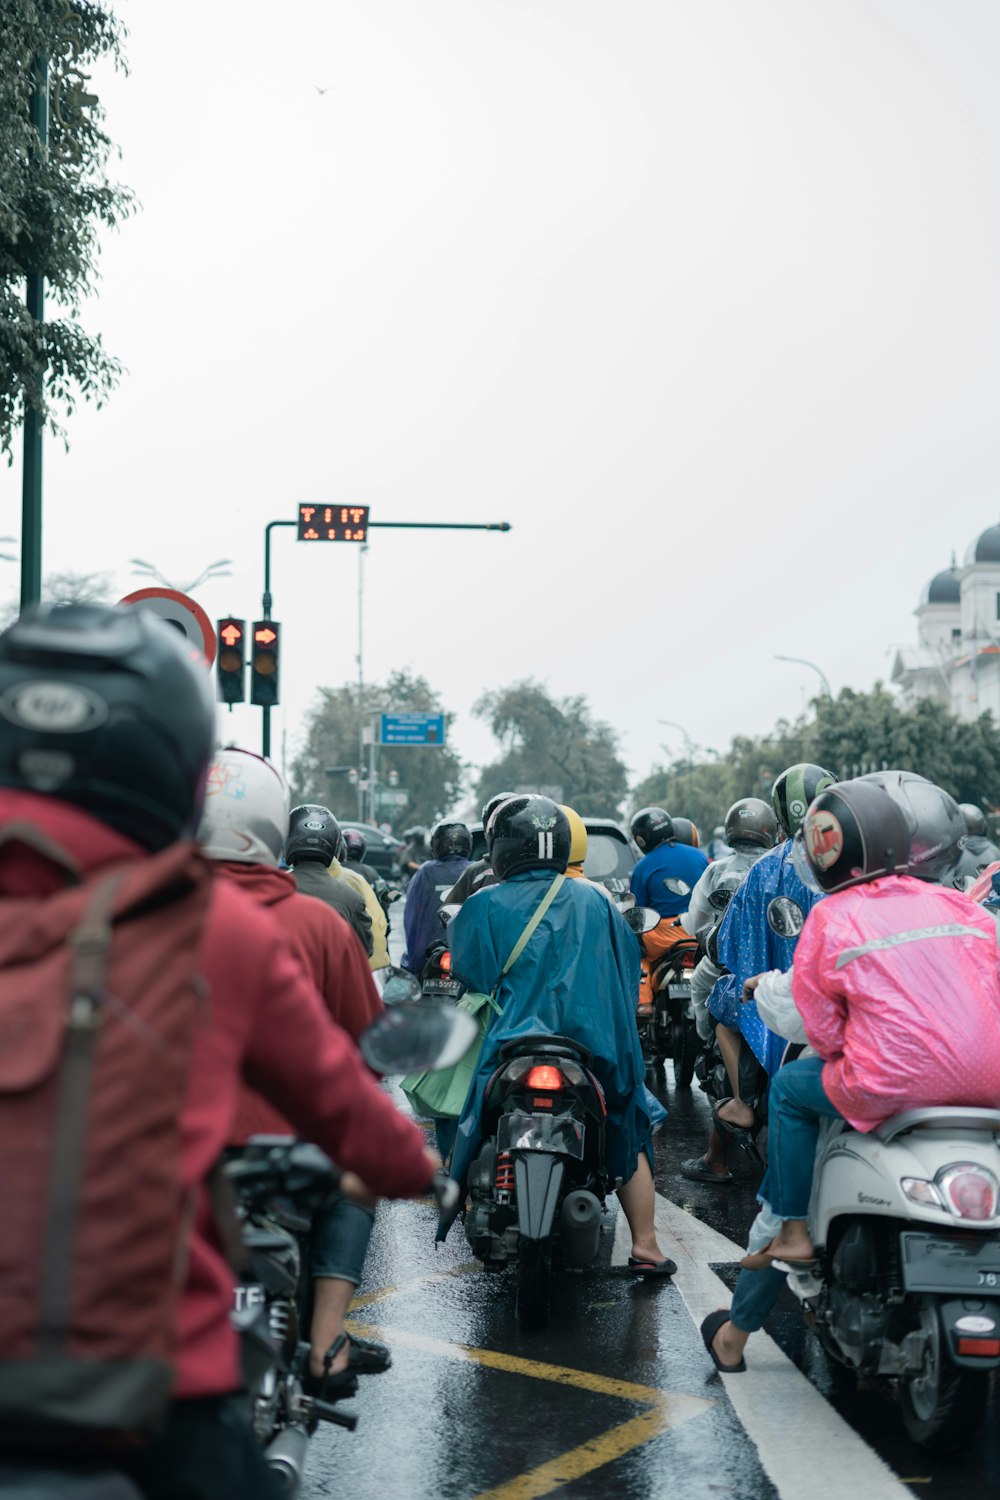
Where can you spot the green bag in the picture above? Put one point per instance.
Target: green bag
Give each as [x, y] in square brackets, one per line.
[442, 1094]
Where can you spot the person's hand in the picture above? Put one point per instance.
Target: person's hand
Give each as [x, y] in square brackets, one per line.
[749, 986]
[352, 1187]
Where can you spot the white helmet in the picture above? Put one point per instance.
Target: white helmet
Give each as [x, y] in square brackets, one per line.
[246, 810]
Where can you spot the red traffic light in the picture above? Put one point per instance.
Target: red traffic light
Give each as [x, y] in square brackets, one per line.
[230, 632]
[263, 635]
[229, 663]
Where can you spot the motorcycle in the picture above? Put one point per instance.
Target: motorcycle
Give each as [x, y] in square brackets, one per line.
[538, 1184]
[906, 1224]
[670, 1030]
[436, 978]
[279, 1184]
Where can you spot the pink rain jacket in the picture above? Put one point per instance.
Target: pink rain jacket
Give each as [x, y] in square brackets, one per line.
[898, 984]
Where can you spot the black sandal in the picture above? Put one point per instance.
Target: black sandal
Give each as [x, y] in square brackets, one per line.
[726, 1127]
[709, 1328]
[328, 1387]
[696, 1170]
[366, 1357]
[665, 1267]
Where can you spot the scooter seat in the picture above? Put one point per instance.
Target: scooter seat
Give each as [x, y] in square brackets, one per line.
[545, 1046]
[943, 1117]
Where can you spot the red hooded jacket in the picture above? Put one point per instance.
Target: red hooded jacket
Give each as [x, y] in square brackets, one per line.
[269, 1028]
[331, 955]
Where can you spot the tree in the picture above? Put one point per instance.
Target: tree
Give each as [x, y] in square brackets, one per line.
[549, 742]
[52, 203]
[849, 735]
[67, 588]
[430, 776]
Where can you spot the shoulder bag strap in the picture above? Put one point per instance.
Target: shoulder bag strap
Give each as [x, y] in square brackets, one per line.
[526, 935]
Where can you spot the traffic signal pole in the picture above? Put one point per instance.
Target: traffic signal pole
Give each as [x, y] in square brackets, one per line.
[267, 600]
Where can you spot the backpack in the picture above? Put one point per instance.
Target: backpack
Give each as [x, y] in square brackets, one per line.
[100, 1000]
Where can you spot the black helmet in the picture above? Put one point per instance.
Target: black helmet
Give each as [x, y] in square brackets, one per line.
[355, 845]
[652, 826]
[450, 837]
[751, 821]
[104, 708]
[492, 803]
[313, 833]
[975, 819]
[529, 833]
[793, 791]
[686, 832]
[854, 832]
[933, 820]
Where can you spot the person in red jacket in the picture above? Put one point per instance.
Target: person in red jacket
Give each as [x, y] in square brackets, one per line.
[244, 828]
[106, 730]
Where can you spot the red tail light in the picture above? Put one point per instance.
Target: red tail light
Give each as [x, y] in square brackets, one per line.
[987, 1348]
[543, 1077]
[445, 962]
[689, 959]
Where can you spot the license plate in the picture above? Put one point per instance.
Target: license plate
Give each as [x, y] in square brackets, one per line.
[561, 1134]
[680, 991]
[449, 989]
[937, 1263]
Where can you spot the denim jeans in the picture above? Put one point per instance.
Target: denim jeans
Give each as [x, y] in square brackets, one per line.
[796, 1105]
[755, 1294]
[338, 1243]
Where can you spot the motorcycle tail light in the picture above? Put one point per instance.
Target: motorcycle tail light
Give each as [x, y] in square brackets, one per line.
[922, 1192]
[689, 960]
[970, 1191]
[542, 1076]
[445, 962]
[986, 1348]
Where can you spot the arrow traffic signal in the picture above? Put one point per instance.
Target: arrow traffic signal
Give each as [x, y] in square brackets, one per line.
[229, 661]
[264, 663]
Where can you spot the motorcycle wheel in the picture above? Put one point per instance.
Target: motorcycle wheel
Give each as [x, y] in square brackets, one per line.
[943, 1407]
[684, 1050]
[533, 1268]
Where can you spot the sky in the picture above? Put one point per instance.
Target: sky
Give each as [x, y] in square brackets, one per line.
[702, 298]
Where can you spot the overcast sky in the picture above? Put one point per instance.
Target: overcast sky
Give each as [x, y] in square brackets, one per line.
[701, 297]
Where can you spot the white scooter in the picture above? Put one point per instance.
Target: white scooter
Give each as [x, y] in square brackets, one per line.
[906, 1224]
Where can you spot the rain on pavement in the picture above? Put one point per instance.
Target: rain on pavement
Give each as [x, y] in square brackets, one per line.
[617, 1396]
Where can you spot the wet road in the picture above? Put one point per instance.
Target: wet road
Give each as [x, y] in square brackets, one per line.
[617, 1397]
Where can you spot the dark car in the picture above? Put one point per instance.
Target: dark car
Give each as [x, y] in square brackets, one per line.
[383, 849]
[611, 854]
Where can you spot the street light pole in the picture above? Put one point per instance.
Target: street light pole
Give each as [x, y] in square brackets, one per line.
[801, 662]
[31, 478]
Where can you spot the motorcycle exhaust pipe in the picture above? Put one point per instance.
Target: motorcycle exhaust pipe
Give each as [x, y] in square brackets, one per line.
[580, 1226]
[286, 1455]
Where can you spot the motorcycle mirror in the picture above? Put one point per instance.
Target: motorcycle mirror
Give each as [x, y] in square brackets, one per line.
[785, 917]
[642, 919]
[626, 902]
[400, 987]
[720, 898]
[448, 914]
[418, 1036]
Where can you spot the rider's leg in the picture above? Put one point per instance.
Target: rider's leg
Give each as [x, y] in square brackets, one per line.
[797, 1104]
[638, 1199]
[337, 1257]
[735, 1111]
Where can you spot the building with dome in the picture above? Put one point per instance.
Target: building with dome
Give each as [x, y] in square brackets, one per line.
[957, 656]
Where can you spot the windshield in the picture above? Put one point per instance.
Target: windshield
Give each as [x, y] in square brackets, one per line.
[607, 857]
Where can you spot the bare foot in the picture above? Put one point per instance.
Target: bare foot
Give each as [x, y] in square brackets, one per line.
[793, 1241]
[735, 1112]
[729, 1344]
[647, 1250]
[339, 1360]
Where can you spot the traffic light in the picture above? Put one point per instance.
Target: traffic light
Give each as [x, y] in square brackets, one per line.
[264, 663]
[229, 662]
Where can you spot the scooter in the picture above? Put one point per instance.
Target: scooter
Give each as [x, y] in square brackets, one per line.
[906, 1224]
[539, 1181]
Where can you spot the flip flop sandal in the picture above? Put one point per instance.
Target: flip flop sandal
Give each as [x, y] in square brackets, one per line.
[763, 1260]
[328, 1387]
[367, 1358]
[695, 1170]
[665, 1267]
[709, 1328]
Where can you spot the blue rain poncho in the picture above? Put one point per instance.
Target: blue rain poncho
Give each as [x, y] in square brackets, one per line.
[425, 895]
[749, 946]
[578, 977]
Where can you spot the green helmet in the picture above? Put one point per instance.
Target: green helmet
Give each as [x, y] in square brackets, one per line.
[794, 790]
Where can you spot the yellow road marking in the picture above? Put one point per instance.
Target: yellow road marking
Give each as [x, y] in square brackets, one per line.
[511, 1364]
[369, 1299]
[583, 1460]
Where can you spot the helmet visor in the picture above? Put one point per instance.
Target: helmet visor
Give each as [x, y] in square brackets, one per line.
[802, 866]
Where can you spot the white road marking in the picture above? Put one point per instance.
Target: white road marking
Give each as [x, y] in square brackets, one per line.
[805, 1447]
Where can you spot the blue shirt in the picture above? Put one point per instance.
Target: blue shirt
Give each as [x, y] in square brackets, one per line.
[668, 862]
[424, 898]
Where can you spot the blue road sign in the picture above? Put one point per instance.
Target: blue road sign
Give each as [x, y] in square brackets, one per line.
[412, 729]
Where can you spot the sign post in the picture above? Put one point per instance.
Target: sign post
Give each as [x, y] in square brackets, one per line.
[411, 729]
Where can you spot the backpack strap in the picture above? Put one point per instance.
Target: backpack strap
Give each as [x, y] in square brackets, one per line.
[21, 832]
[90, 945]
[526, 935]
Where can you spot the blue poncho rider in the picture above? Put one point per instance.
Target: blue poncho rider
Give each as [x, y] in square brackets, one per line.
[451, 846]
[577, 977]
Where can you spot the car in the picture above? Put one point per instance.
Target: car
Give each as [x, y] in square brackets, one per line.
[611, 854]
[383, 849]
